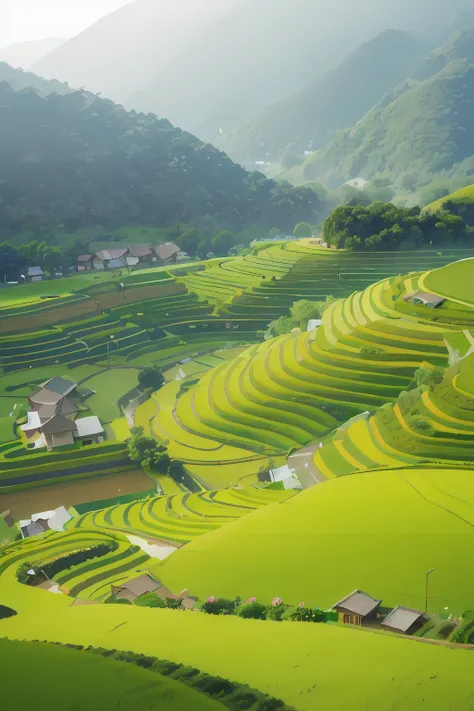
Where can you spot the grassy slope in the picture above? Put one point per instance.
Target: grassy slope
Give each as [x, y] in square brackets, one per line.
[465, 195]
[67, 680]
[308, 666]
[378, 531]
[455, 281]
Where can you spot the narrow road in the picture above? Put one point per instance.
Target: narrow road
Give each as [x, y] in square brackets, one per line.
[304, 467]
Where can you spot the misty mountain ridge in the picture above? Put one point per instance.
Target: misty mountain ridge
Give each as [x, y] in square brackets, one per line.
[419, 131]
[25, 54]
[310, 118]
[210, 65]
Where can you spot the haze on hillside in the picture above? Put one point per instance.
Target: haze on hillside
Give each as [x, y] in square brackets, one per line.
[209, 65]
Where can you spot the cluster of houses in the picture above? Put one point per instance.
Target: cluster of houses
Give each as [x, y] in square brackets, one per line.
[362, 610]
[132, 256]
[135, 255]
[55, 417]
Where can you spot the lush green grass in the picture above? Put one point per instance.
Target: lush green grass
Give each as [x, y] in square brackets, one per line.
[378, 531]
[308, 666]
[110, 386]
[67, 680]
[455, 281]
[465, 195]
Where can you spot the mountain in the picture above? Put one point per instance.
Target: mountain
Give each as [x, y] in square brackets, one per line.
[121, 52]
[420, 130]
[19, 80]
[74, 161]
[312, 116]
[263, 50]
[25, 54]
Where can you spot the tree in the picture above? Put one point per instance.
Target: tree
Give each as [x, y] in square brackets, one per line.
[151, 377]
[223, 242]
[11, 262]
[147, 451]
[189, 241]
[303, 229]
[177, 471]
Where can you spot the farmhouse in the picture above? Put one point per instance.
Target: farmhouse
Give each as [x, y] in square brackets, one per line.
[133, 589]
[52, 416]
[139, 254]
[404, 620]
[424, 298]
[146, 584]
[167, 252]
[358, 608]
[84, 262]
[35, 274]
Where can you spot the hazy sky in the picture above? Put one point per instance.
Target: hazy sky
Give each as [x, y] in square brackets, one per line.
[22, 20]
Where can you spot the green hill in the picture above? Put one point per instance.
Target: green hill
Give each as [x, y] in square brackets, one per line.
[305, 665]
[310, 118]
[419, 130]
[66, 680]
[460, 201]
[379, 532]
[77, 161]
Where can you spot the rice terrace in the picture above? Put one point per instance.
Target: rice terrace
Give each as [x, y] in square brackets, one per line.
[236, 355]
[176, 479]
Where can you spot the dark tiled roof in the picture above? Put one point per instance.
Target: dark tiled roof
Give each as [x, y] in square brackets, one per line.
[357, 602]
[402, 618]
[57, 424]
[167, 250]
[85, 257]
[60, 385]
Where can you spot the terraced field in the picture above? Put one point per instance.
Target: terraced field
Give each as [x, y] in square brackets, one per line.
[378, 531]
[430, 424]
[286, 392]
[117, 560]
[179, 518]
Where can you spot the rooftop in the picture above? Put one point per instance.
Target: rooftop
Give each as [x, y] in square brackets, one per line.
[139, 586]
[45, 397]
[62, 386]
[402, 618]
[88, 427]
[58, 424]
[357, 602]
[167, 250]
[140, 250]
[85, 257]
[106, 254]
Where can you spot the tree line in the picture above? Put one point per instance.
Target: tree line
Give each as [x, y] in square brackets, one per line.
[385, 226]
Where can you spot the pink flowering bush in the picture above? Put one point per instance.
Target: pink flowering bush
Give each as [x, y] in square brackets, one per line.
[277, 601]
[212, 600]
[251, 599]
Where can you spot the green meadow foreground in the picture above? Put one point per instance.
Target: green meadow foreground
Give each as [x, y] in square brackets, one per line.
[308, 666]
[89, 682]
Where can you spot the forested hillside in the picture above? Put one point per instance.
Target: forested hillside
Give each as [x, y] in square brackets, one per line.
[310, 118]
[72, 161]
[421, 130]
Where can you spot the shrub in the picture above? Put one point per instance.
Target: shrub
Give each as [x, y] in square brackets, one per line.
[150, 600]
[220, 606]
[252, 610]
